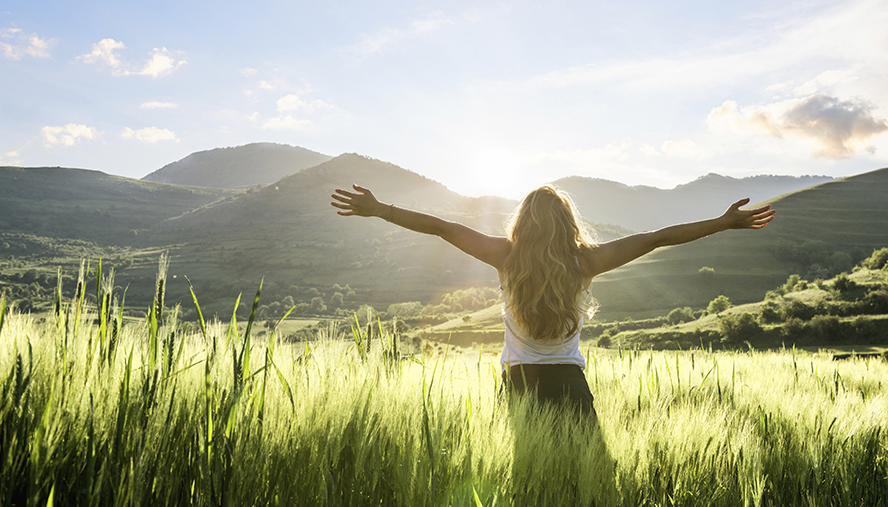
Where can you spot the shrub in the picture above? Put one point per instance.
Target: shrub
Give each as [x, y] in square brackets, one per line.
[798, 310]
[878, 260]
[793, 328]
[679, 315]
[719, 305]
[844, 284]
[770, 314]
[876, 301]
[791, 283]
[827, 327]
[738, 327]
[863, 328]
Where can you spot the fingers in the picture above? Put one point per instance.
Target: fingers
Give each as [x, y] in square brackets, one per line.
[741, 202]
[345, 193]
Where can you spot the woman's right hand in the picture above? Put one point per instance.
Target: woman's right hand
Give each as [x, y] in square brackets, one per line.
[361, 202]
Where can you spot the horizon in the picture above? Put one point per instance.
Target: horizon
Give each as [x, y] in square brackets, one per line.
[488, 99]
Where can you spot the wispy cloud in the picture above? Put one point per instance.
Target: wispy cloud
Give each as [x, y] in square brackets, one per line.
[20, 44]
[838, 128]
[149, 135]
[683, 148]
[106, 54]
[11, 158]
[859, 25]
[389, 38]
[248, 71]
[292, 104]
[68, 135]
[159, 105]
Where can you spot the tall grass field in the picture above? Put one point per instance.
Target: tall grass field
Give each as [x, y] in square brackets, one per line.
[98, 410]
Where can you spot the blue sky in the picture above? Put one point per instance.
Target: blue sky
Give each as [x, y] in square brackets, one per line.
[485, 97]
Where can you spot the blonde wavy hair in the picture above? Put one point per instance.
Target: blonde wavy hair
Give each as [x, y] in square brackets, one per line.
[543, 273]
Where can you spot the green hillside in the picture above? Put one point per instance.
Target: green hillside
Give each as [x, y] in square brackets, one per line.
[91, 205]
[240, 166]
[818, 233]
[225, 241]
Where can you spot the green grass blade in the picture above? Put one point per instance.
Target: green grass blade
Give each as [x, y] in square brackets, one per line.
[285, 385]
[200, 317]
[2, 312]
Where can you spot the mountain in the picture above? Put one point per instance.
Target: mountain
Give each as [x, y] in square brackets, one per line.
[818, 232]
[241, 166]
[643, 208]
[91, 205]
[289, 231]
[226, 240]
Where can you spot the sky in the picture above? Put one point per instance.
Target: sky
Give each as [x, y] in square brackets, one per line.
[488, 98]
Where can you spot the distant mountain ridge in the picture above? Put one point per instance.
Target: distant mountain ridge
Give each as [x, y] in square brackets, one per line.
[240, 166]
[226, 239]
[642, 208]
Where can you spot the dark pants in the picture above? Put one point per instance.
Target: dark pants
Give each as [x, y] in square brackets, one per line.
[556, 384]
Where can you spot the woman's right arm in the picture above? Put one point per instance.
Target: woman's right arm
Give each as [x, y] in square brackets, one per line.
[614, 254]
[491, 250]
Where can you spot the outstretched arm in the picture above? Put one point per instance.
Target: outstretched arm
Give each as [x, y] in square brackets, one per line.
[489, 249]
[614, 254]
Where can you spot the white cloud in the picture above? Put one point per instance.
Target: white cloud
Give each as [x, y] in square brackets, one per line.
[649, 150]
[837, 128]
[287, 123]
[24, 45]
[105, 53]
[11, 158]
[159, 105]
[69, 135]
[248, 71]
[160, 64]
[149, 135]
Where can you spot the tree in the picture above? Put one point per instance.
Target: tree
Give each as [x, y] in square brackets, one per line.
[679, 315]
[317, 305]
[719, 305]
[738, 327]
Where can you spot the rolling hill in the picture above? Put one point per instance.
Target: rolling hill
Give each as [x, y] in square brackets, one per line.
[225, 240]
[241, 166]
[91, 205]
[819, 231]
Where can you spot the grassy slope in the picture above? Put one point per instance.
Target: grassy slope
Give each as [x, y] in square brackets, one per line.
[90, 205]
[288, 232]
[837, 223]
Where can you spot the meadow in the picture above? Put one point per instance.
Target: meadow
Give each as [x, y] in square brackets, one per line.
[98, 410]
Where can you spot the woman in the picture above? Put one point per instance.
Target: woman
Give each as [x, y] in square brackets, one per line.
[545, 266]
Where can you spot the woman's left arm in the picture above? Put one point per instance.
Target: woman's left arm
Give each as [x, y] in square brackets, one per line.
[614, 254]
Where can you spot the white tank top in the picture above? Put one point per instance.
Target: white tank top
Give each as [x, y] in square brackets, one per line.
[519, 348]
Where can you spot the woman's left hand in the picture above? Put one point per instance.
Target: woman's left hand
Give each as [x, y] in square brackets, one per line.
[736, 218]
